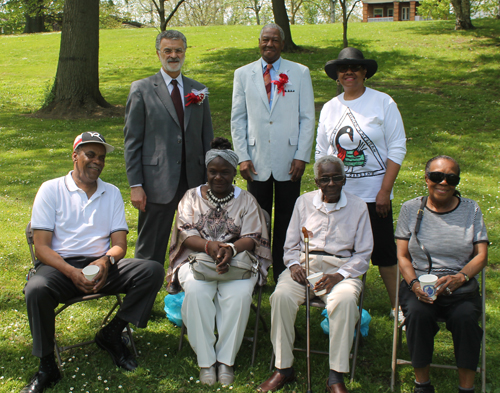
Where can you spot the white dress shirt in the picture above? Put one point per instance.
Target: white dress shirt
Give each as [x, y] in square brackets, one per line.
[274, 76]
[344, 232]
[168, 81]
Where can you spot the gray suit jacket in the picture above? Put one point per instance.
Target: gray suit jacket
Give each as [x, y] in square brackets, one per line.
[153, 138]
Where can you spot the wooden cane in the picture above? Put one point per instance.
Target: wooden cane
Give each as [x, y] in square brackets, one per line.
[308, 309]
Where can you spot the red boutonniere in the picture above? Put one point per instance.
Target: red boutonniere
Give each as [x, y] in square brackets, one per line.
[196, 96]
[282, 83]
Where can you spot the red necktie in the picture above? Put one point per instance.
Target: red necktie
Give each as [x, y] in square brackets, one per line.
[176, 99]
[267, 81]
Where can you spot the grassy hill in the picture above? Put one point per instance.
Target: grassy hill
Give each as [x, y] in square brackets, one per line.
[447, 87]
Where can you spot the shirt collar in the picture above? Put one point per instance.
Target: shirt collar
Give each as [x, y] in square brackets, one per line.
[72, 187]
[276, 64]
[318, 201]
[167, 78]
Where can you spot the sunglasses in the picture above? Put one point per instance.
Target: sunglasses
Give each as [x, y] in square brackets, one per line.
[325, 180]
[438, 177]
[353, 67]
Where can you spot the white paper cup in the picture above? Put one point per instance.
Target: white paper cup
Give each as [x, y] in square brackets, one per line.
[313, 279]
[428, 283]
[90, 271]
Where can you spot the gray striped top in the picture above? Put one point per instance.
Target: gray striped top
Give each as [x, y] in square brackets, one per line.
[448, 237]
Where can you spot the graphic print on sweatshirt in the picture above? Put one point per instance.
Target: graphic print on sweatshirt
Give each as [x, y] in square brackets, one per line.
[355, 148]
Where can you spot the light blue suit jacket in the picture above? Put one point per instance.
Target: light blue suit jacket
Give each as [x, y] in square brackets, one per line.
[272, 137]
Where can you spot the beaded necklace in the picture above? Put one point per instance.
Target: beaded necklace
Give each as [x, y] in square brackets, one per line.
[219, 202]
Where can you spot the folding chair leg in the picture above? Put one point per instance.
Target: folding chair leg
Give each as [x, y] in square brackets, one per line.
[58, 354]
[358, 330]
[256, 327]
[181, 338]
[396, 336]
[132, 343]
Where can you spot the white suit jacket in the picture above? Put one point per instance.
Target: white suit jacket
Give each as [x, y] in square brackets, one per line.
[272, 137]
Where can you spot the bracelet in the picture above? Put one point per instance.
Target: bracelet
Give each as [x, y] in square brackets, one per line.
[412, 283]
[466, 276]
[206, 246]
[232, 246]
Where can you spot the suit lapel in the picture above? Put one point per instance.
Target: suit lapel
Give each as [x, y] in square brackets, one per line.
[283, 68]
[258, 80]
[188, 86]
[161, 91]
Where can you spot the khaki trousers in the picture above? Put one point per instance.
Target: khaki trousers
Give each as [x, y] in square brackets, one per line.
[207, 303]
[341, 305]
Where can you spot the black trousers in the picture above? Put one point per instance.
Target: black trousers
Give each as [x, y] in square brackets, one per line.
[461, 320]
[154, 226]
[384, 246]
[285, 194]
[139, 279]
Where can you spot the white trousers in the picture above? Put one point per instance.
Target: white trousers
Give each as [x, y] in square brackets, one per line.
[210, 303]
[341, 305]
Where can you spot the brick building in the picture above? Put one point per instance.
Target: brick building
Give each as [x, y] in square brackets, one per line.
[390, 11]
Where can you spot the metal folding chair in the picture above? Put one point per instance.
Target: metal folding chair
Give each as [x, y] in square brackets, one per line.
[398, 339]
[318, 303]
[58, 348]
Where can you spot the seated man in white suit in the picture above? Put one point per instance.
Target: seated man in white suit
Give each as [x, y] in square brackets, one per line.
[340, 244]
[272, 126]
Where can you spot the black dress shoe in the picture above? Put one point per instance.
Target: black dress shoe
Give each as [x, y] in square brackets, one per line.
[41, 381]
[118, 351]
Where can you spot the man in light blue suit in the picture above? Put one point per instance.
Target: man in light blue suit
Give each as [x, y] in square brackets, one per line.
[272, 126]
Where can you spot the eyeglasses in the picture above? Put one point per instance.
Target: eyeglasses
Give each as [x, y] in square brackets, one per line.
[353, 67]
[438, 177]
[168, 51]
[325, 180]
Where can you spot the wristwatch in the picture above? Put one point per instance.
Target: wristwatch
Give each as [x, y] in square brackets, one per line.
[231, 245]
[466, 276]
[111, 259]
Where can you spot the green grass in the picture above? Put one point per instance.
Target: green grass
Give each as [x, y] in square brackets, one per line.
[447, 88]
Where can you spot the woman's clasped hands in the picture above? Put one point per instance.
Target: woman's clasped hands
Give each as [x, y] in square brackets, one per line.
[221, 253]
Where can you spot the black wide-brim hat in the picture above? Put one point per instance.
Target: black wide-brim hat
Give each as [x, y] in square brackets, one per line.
[351, 56]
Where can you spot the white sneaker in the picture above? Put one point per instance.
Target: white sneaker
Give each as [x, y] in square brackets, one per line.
[401, 316]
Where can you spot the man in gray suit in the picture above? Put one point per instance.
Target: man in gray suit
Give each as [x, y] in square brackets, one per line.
[168, 129]
[272, 125]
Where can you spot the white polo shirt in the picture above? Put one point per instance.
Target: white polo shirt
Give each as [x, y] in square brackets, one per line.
[80, 226]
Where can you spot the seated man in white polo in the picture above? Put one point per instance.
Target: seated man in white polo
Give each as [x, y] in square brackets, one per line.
[340, 244]
[79, 220]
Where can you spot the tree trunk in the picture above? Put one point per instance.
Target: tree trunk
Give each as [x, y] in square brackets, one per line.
[160, 10]
[35, 18]
[281, 18]
[462, 13]
[76, 88]
[345, 20]
[172, 14]
[332, 10]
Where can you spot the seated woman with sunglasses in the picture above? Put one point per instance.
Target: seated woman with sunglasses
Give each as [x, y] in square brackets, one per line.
[452, 231]
[363, 127]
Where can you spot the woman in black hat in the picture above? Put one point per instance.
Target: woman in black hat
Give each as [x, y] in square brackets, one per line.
[363, 127]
